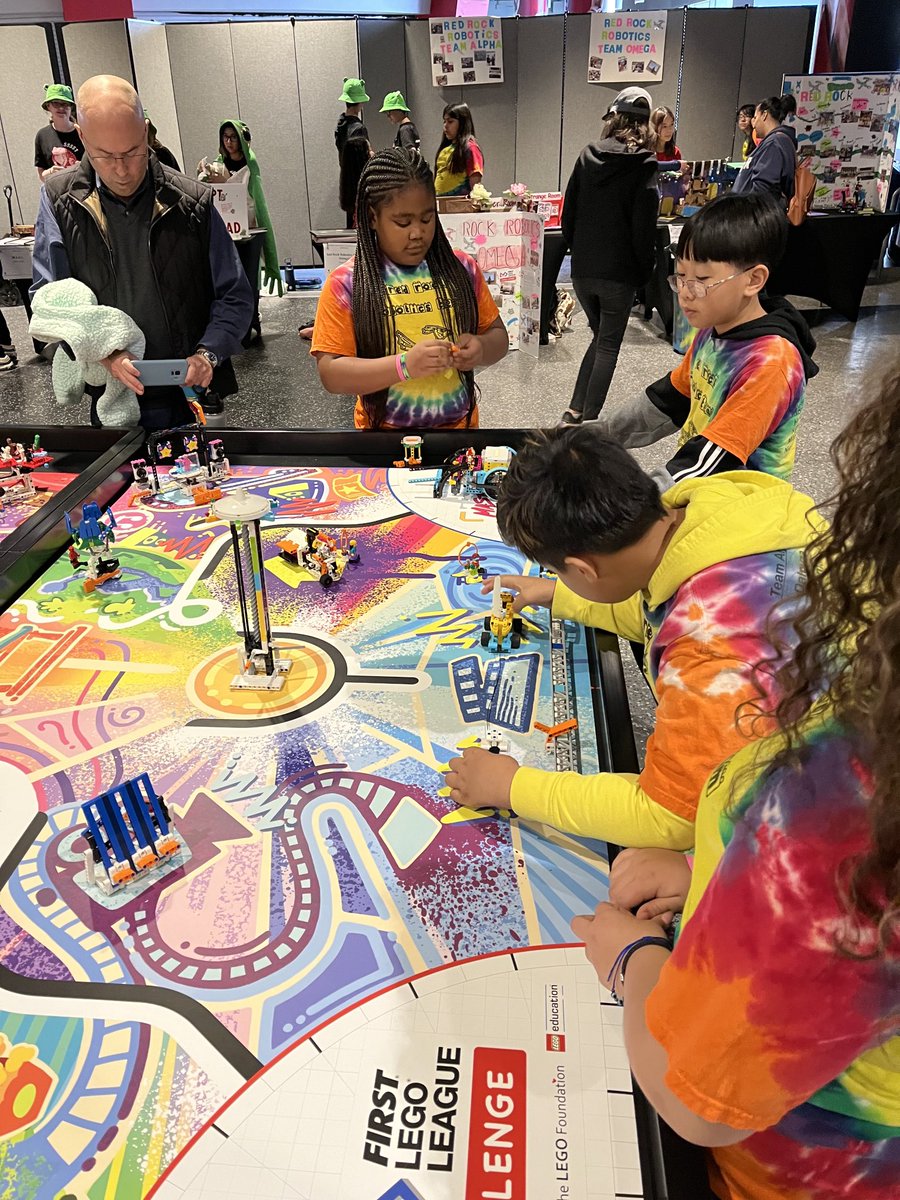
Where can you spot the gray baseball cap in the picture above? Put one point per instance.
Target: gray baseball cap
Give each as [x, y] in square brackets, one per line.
[632, 102]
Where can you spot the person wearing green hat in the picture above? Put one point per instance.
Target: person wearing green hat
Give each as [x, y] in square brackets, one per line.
[407, 136]
[350, 123]
[235, 152]
[58, 145]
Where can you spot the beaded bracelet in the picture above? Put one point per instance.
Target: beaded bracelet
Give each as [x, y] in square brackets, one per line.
[402, 368]
[616, 977]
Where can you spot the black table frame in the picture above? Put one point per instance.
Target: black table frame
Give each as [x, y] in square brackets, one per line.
[670, 1169]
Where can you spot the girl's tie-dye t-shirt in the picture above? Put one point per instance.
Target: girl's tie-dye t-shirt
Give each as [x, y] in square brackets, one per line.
[769, 1024]
[764, 383]
[436, 400]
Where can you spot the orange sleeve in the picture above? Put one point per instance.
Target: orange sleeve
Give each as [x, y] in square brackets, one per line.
[488, 312]
[333, 332]
[754, 407]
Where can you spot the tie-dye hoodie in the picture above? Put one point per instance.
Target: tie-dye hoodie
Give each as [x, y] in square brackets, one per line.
[767, 1025]
[703, 623]
[737, 396]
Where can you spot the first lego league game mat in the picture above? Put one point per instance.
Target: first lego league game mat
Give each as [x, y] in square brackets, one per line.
[342, 985]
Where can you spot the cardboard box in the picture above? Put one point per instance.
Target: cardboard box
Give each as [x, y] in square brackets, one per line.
[15, 258]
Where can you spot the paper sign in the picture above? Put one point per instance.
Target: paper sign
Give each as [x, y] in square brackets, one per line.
[627, 47]
[466, 50]
[231, 201]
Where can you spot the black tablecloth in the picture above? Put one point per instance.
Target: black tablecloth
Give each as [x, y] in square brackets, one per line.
[829, 258]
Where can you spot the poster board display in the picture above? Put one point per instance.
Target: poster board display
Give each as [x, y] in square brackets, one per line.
[627, 47]
[509, 248]
[232, 202]
[847, 129]
[466, 50]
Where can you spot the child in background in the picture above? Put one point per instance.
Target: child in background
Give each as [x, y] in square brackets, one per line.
[748, 138]
[459, 165]
[737, 395]
[350, 122]
[662, 122]
[690, 575]
[772, 1033]
[407, 321]
[407, 136]
[354, 158]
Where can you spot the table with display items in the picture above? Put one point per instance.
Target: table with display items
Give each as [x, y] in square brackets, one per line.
[331, 931]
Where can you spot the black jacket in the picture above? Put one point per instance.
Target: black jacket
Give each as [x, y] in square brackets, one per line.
[179, 251]
[348, 126]
[609, 214]
[771, 166]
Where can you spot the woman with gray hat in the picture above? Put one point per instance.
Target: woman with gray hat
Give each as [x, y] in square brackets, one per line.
[609, 224]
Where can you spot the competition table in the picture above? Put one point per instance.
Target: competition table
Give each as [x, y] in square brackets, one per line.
[334, 940]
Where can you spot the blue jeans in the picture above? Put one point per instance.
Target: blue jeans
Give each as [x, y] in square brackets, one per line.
[607, 305]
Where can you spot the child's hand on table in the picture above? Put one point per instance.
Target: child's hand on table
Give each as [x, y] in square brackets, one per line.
[469, 352]
[428, 358]
[607, 932]
[657, 880]
[480, 779]
[531, 590]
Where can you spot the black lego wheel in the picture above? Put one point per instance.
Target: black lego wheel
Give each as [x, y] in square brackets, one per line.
[515, 641]
[487, 624]
[493, 483]
[326, 579]
[485, 639]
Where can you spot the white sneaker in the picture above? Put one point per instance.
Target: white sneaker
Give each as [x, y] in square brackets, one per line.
[6, 363]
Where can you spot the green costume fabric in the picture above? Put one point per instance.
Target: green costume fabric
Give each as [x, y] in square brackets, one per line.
[270, 266]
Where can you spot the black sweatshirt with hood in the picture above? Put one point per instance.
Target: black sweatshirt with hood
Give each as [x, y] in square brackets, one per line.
[772, 165]
[349, 126]
[609, 214]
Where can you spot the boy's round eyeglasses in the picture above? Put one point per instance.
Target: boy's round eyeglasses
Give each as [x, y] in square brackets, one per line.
[694, 288]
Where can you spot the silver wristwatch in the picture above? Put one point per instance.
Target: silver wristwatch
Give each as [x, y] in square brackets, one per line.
[212, 359]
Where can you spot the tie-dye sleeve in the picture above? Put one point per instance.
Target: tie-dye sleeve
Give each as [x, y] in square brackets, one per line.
[760, 398]
[758, 1009]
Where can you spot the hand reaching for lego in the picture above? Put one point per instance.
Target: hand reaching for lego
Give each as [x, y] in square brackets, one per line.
[469, 352]
[480, 779]
[531, 591]
[656, 880]
[428, 358]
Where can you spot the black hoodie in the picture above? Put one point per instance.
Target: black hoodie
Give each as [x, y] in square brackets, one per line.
[609, 214]
[348, 126]
[772, 165]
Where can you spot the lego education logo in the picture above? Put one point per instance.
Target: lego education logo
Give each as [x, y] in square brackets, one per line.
[555, 1017]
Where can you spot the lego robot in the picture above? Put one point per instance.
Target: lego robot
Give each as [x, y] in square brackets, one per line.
[129, 830]
[93, 538]
[321, 554]
[502, 628]
[468, 473]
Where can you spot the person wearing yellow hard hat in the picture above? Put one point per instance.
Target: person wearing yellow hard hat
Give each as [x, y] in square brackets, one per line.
[407, 136]
[58, 145]
[350, 123]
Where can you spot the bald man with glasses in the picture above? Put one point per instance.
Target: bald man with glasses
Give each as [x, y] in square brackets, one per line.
[148, 241]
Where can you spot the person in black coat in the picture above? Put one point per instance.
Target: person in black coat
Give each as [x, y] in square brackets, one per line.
[609, 224]
[772, 165]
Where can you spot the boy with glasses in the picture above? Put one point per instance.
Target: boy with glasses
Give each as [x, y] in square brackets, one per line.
[737, 394]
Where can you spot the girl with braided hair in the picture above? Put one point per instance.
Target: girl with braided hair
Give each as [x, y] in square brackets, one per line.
[772, 1032]
[404, 324]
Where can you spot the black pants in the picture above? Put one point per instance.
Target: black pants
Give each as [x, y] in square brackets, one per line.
[5, 336]
[607, 305]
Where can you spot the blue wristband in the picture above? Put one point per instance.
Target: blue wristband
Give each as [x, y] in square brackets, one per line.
[616, 976]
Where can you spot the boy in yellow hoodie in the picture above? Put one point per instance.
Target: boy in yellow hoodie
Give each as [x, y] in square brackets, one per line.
[691, 574]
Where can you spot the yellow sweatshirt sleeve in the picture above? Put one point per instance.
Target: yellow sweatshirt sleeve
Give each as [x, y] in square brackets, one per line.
[611, 807]
[625, 619]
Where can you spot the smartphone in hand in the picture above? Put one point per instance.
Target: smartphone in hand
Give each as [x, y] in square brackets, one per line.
[161, 372]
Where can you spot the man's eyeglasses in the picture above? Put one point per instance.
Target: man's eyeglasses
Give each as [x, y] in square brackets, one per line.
[694, 288]
[128, 156]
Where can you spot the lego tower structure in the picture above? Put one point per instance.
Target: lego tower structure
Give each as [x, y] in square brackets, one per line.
[261, 669]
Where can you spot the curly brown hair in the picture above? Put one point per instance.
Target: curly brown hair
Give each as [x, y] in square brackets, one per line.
[848, 652]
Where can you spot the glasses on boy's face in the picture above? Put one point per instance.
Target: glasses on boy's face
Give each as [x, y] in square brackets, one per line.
[694, 288]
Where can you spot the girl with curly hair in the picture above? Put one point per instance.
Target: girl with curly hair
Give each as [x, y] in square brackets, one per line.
[772, 1033]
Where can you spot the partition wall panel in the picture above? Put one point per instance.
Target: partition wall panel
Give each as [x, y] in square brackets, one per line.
[427, 101]
[205, 91]
[382, 63]
[539, 110]
[265, 71]
[775, 40]
[711, 75]
[153, 80]
[96, 48]
[326, 53]
[21, 115]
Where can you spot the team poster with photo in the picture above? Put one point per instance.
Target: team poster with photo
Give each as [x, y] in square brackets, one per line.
[627, 47]
[466, 50]
[846, 129]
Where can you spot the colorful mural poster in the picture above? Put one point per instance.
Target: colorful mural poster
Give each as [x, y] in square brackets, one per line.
[627, 47]
[466, 50]
[847, 131]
